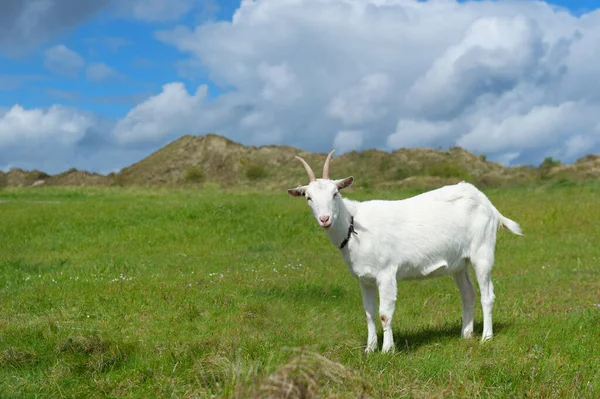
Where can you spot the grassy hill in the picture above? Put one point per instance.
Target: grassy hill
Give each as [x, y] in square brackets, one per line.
[194, 160]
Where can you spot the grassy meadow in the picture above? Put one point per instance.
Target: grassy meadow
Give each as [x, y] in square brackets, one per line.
[142, 293]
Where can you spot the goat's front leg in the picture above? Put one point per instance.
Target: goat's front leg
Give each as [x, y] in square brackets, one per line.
[467, 294]
[387, 302]
[369, 298]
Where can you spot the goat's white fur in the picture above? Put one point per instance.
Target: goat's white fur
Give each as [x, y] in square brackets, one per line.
[429, 235]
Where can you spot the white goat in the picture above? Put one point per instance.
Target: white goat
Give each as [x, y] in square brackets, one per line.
[429, 235]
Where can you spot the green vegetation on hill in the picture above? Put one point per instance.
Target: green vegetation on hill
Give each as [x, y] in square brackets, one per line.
[144, 293]
[217, 160]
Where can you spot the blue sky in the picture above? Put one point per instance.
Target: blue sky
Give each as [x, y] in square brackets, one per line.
[125, 44]
[98, 86]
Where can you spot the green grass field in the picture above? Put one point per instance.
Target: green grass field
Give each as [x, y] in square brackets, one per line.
[179, 294]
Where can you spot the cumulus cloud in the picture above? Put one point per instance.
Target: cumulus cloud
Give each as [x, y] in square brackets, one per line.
[63, 61]
[362, 102]
[515, 80]
[36, 125]
[493, 57]
[173, 110]
[279, 83]
[40, 137]
[509, 79]
[26, 24]
[411, 133]
[57, 138]
[348, 140]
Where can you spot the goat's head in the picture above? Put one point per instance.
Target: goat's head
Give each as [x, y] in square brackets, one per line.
[322, 195]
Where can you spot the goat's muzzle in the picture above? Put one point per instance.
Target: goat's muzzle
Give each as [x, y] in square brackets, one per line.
[325, 222]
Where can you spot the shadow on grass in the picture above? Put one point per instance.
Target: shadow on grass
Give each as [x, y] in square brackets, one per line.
[407, 341]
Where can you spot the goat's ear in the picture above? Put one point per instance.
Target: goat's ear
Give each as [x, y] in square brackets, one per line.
[343, 183]
[297, 192]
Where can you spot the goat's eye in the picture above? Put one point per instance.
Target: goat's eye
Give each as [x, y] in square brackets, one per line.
[308, 199]
[335, 194]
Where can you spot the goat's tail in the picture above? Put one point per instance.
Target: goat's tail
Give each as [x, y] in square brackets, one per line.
[511, 225]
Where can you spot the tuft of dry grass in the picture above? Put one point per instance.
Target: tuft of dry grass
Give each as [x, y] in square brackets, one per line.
[311, 375]
[92, 353]
[16, 358]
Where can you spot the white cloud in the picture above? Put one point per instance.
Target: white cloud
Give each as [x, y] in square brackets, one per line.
[57, 138]
[279, 83]
[63, 61]
[579, 144]
[41, 138]
[494, 55]
[173, 110]
[362, 102]
[60, 124]
[25, 24]
[536, 128]
[411, 133]
[98, 71]
[348, 140]
[502, 78]
[516, 80]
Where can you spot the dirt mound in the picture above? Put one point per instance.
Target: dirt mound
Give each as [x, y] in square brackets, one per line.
[20, 178]
[586, 168]
[212, 158]
[74, 177]
[194, 160]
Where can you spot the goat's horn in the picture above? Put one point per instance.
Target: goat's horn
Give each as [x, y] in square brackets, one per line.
[311, 174]
[326, 165]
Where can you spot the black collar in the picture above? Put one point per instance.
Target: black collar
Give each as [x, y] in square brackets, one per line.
[350, 231]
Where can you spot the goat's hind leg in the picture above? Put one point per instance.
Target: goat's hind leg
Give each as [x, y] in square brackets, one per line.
[483, 271]
[467, 295]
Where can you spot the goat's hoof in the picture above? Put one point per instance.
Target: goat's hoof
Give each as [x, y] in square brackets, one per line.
[486, 338]
[467, 335]
[391, 349]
